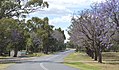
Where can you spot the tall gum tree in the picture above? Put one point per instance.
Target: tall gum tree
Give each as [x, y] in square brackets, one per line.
[19, 8]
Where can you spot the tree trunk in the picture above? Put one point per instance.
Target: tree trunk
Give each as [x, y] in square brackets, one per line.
[96, 55]
[92, 53]
[100, 55]
[9, 52]
[46, 50]
[0, 52]
[94, 47]
[15, 52]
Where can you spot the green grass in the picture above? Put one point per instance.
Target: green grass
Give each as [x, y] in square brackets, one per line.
[84, 62]
[78, 56]
[82, 66]
[4, 57]
[3, 66]
[77, 60]
[111, 57]
[36, 54]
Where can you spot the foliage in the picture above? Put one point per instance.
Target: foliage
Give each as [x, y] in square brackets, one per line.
[96, 29]
[17, 8]
[35, 35]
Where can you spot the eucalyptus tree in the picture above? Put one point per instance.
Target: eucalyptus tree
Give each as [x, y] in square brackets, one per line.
[40, 33]
[59, 35]
[3, 36]
[15, 9]
[47, 36]
[12, 8]
[12, 34]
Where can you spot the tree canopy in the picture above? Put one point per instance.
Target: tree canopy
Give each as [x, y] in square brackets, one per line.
[96, 29]
[32, 35]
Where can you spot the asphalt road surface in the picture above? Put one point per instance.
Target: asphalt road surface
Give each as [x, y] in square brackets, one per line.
[51, 62]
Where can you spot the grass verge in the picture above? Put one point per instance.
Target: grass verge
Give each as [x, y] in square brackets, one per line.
[3, 66]
[36, 54]
[84, 62]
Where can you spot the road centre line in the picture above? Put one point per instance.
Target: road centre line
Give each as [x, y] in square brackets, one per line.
[42, 66]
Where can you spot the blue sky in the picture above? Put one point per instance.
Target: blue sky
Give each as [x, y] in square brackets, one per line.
[60, 12]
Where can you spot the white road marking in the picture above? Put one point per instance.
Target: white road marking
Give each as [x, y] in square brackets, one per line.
[44, 68]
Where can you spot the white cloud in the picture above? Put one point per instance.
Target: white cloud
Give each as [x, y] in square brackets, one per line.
[66, 7]
[60, 11]
[63, 22]
[63, 7]
[60, 20]
[56, 11]
[71, 3]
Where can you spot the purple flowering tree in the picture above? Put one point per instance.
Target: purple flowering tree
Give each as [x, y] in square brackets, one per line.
[95, 28]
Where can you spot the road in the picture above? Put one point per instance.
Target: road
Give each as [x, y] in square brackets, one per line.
[51, 62]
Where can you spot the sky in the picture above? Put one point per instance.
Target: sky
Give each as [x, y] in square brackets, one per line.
[61, 11]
